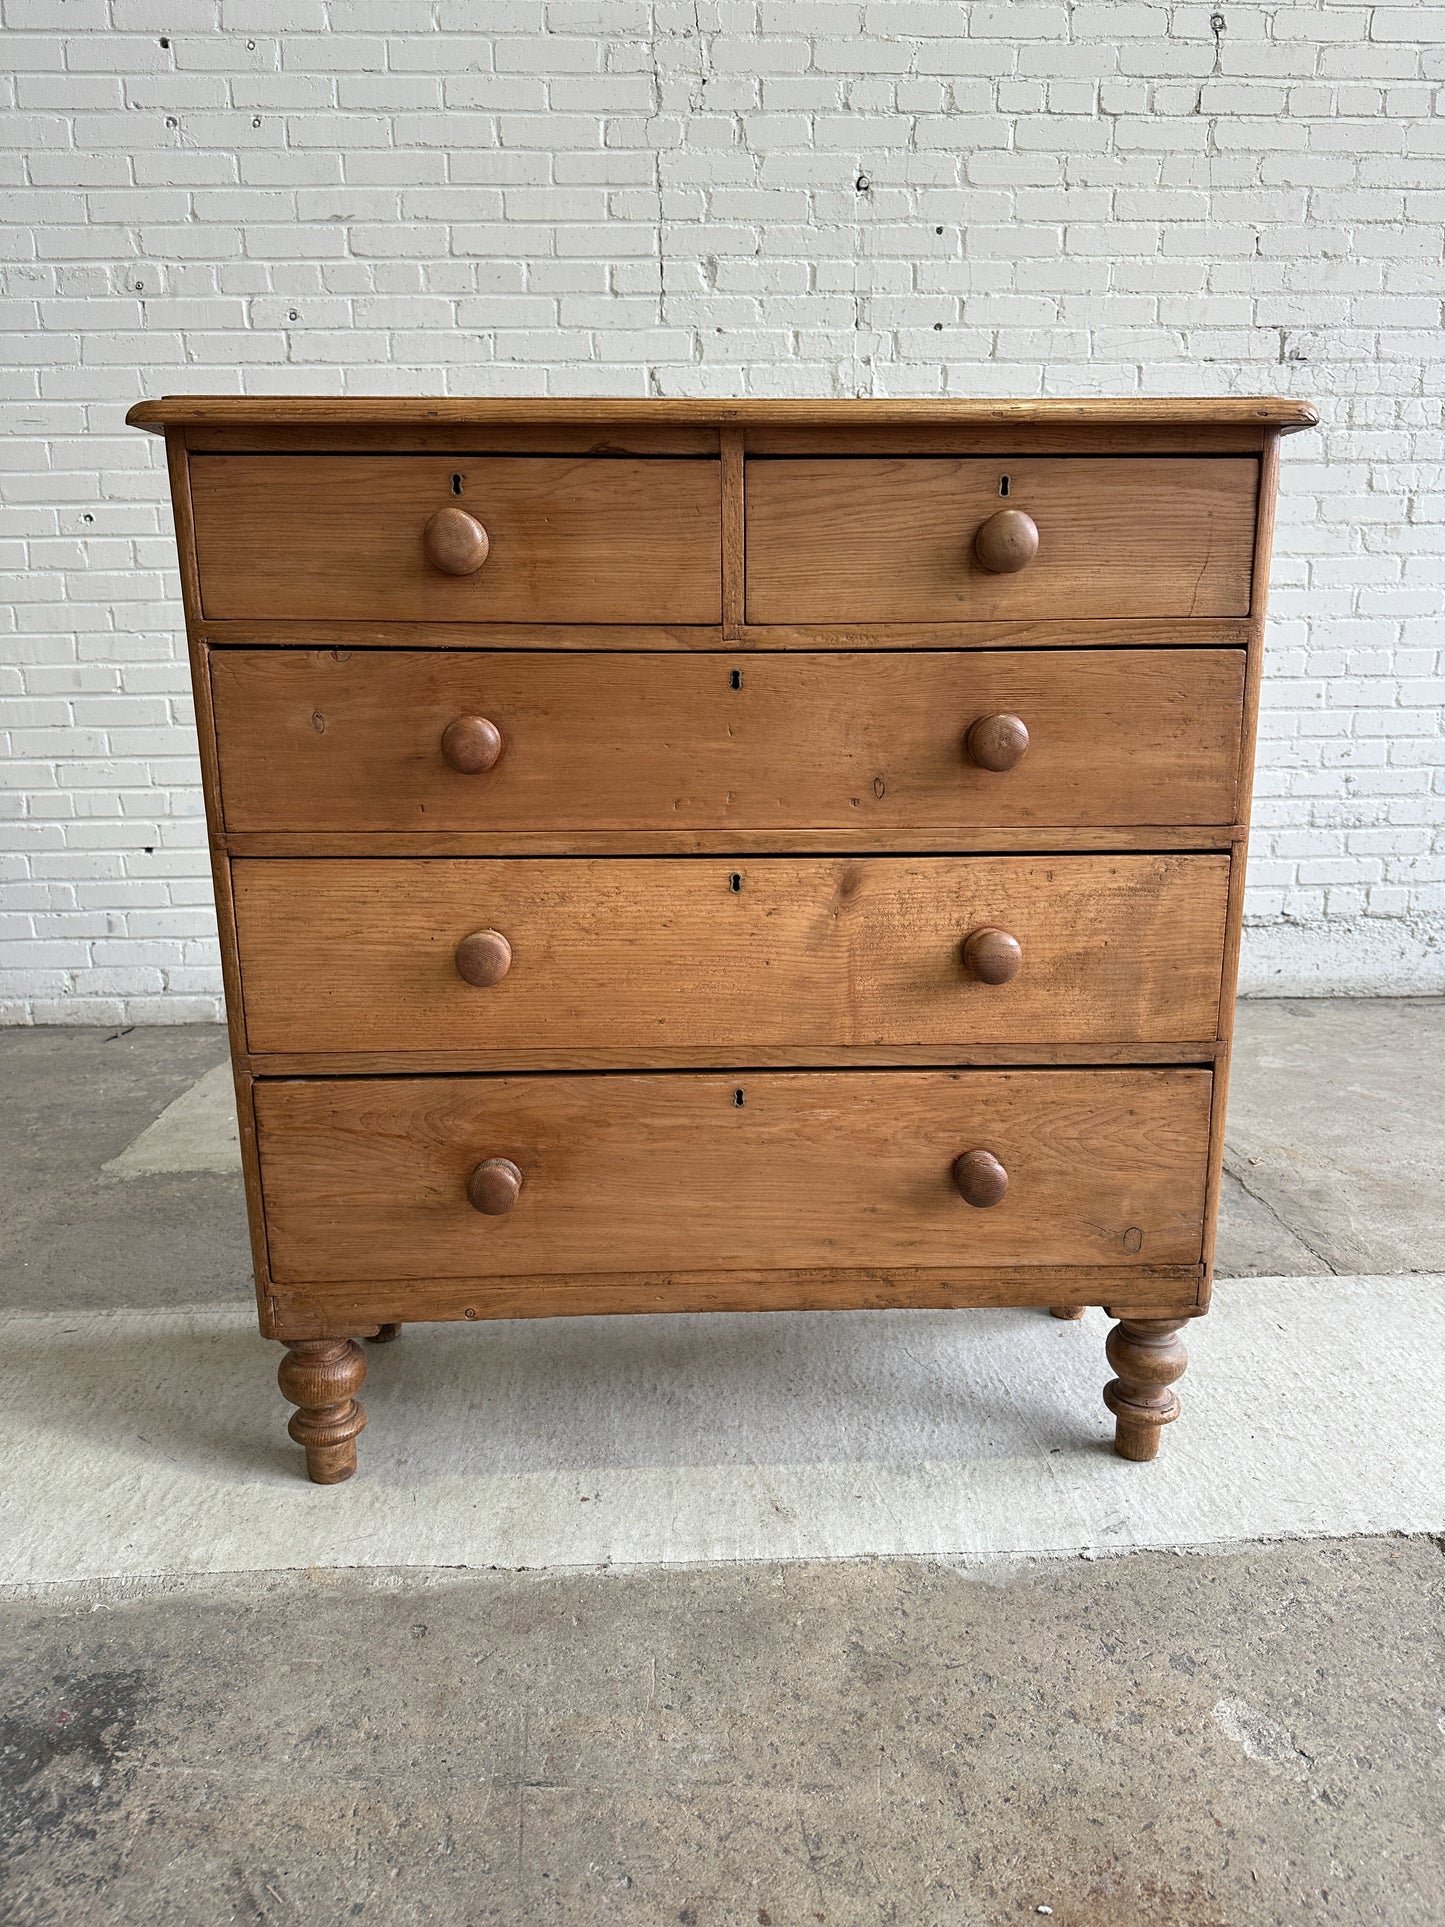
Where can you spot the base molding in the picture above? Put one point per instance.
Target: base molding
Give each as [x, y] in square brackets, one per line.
[307, 1311]
[1344, 957]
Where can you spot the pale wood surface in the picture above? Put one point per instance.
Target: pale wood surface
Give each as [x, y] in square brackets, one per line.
[1234, 922]
[730, 448]
[1039, 632]
[1055, 838]
[952, 1054]
[1048, 632]
[643, 437]
[637, 437]
[1165, 716]
[325, 740]
[367, 1179]
[1148, 1356]
[179, 474]
[336, 536]
[892, 541]
[321, 1378]
[458, 411]
[354, 1306]
[624, 955]
[958, 438]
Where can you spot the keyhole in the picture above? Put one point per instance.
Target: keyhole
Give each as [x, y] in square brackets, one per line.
[1003, 485]
[457, 485]
[735, 882]
[735, 680]
[738, 1099]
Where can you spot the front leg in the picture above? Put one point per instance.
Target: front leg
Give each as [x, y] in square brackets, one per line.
[322, 1377]
[1148, 1356]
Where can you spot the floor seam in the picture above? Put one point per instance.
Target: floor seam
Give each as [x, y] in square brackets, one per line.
[1232, 1170]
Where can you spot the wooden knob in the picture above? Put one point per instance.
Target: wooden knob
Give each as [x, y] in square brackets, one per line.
[483, 958]
[455, 542]
[997, 742]
[494, 1187]
[980, 1178]
[1007, 542]
[471, 744]
[992, 955]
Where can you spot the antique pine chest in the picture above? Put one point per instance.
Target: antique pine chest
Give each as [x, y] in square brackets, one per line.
[687, 856]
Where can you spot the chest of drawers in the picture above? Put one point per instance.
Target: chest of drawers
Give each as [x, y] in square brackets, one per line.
[687, 856]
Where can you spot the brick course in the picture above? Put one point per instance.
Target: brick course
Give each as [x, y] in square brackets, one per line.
[710, 197]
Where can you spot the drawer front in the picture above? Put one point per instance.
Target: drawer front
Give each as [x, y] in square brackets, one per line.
[370, 1179]
[354, 741]
[596, 539]
[625, 956]
[855, 541]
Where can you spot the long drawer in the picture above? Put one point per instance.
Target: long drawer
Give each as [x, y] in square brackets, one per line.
[866, 541]
[591, 539]
[396, 1178]
[625, 956]
[512, 741]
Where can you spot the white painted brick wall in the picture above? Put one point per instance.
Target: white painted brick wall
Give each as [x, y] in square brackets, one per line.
[713, 197]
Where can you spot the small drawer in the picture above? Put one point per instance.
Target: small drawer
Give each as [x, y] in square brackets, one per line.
[867, 542]
[533, 959]
[458, 539]
[504, 742]
[510, 1176]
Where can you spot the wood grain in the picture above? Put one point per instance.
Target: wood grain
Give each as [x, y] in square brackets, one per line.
[321, 1377]
[326, 740]
[1234, 922]
[179, 476]
[1149, 1358]
[595, 541]
[362, 437]
[956, 438]
[954, 1054]
[731, 452]
[621, 955]
[1040, 632]
[1051, 632]
[320, 412]
[750, 636]
[355, 1305]
[1055, 838]
[855, 540]
[367, 1179]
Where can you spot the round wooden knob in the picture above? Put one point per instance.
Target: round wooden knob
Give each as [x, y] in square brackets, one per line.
[483, 958]
[494, 1187]
[455, 542]
[471, 744]
[991, 955]
[980, 1178]
[1007, 542]
[997, 742]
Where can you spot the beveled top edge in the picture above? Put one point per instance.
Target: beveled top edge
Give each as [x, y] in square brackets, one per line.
[392, 411]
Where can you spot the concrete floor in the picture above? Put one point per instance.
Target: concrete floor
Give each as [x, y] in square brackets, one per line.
[1145, 1742]
[1335, 1154]
[1182, 1740]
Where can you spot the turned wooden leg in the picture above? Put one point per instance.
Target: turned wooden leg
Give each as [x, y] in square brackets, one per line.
[385, 1334]
[1148, 1356]
[322, 1376]
[1066, 1311]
